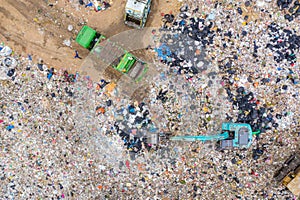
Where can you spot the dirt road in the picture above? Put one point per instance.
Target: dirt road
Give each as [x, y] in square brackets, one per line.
[39, 28]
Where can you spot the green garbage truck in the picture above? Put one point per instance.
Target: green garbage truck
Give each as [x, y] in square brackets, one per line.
[107, 59]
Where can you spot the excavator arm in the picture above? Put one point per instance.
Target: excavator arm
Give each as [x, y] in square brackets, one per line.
[191, 138]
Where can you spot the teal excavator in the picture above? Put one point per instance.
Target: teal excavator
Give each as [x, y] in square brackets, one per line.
[233, 135]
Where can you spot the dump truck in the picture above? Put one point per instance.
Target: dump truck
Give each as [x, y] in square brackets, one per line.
[232, 135]
[136, 13]
[109, 60]
[289, 174]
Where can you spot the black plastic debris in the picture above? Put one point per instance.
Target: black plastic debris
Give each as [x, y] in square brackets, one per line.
[284, 43]
[240, 11]
[162, 95]
[247, 3]
[140, 114]
[184, 8]
[244, 33]
[187, 39]
[108, 103]
[11, 72]
[256, 153]
[284, 87]
[248, 110]
[169, 18]
[40, 66]
[81, 2]
[288, 17]
[233, 161]
[293, 9]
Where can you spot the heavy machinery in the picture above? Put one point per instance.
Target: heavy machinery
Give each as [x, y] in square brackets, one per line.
[232, 135]
[109, 60]
[136, 13]
[289, 174]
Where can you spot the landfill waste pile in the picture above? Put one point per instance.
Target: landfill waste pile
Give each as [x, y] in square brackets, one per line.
[96, 5]
[285, 44]
[293, 8]
[65, 136]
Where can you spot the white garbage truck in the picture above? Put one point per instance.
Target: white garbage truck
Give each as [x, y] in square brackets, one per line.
[136, 13]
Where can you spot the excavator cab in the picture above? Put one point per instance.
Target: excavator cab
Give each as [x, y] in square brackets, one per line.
[241, 135]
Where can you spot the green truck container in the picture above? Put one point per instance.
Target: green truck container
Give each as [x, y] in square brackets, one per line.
[88, 37]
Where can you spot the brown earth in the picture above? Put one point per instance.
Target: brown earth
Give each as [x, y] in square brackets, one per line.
[33, 27]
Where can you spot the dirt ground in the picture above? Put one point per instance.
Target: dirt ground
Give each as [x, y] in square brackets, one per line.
[34, 27]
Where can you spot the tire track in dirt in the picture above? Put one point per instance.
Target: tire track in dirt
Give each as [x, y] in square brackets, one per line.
[32, 27]
[6, 13]
[22, 8]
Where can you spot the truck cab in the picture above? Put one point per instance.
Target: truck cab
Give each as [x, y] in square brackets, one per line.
[136, 13]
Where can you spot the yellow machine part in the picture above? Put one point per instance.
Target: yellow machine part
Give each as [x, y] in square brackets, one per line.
[287, 179]
[294, 185]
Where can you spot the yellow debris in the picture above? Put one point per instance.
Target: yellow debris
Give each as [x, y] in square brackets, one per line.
[36, 20]
[110, 87]
[205, 109]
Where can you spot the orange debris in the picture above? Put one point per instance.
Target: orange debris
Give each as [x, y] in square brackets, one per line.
[101, 110]
[100, 187]
[255, 84]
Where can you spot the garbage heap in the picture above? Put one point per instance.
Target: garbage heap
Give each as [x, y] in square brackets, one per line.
[63, 136]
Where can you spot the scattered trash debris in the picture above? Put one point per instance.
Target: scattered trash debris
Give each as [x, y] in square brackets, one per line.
[64, 135]
[70, 27]
[67, 42]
